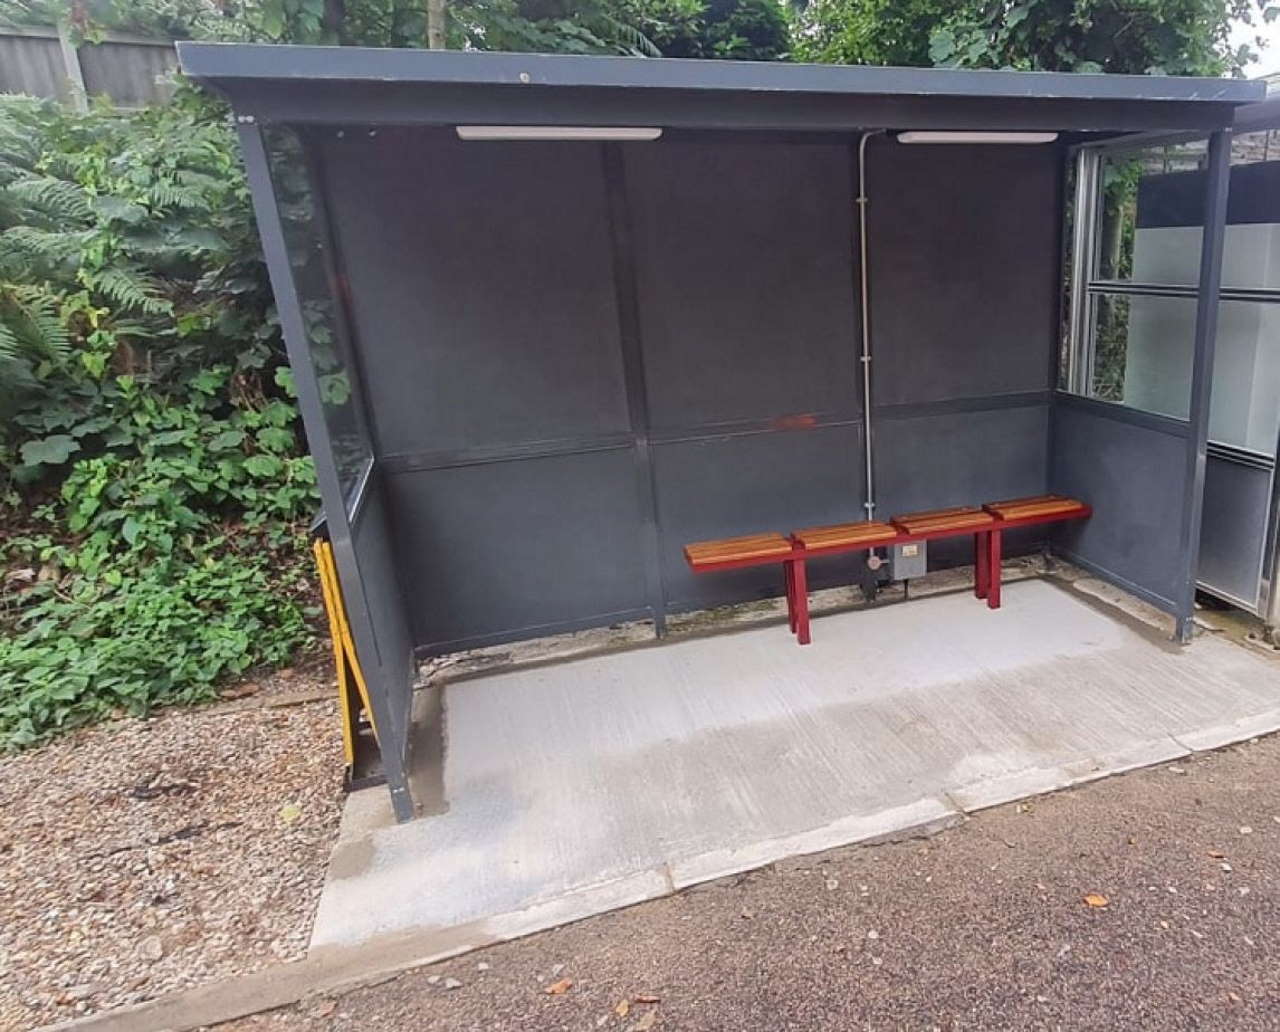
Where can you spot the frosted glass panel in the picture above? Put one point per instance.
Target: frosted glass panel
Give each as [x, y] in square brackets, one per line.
[1245, 407]
[1171, 254]
[1143, 348]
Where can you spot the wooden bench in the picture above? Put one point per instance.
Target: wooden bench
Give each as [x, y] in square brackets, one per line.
[753, 550]
[987, 524]
[730, 553]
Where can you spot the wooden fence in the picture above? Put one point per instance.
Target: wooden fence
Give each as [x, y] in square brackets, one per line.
[132, 70]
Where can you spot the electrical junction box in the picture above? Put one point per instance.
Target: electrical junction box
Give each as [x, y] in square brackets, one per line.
[908, 560]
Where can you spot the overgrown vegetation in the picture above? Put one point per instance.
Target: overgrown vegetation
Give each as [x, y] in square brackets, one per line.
[754, 30]
[1157, 37]
[156, 488]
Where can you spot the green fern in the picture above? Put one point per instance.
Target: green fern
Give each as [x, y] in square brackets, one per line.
[56, 199]
[127, 289]
[31, 325]
[175, 195]
[31, 252]
[10, 346]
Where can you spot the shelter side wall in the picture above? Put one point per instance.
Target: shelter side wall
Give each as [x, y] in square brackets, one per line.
[290, 212]
[1133, 470]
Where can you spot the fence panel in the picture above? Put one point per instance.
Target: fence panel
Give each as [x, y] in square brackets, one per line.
[131, 70]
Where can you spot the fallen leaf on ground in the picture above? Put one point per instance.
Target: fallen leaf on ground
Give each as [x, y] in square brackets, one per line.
[623, 1008]
[1217, 854]
[646, 998]
[647, 1022]
[1096, 899]
[559, 988]
[290, 812]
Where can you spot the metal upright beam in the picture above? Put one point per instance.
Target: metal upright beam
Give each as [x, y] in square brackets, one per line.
[622, 241]
[320, 444]
[1083, 260]
[1217, 184]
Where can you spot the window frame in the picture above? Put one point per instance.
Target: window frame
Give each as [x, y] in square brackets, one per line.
[1084, 260]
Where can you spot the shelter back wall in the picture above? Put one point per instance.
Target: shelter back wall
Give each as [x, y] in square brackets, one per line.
[588, 355]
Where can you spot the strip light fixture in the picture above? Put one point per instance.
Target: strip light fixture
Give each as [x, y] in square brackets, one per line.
[557, 132]
[951, 136]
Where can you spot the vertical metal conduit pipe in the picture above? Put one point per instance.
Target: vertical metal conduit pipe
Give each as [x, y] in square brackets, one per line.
[865, 357]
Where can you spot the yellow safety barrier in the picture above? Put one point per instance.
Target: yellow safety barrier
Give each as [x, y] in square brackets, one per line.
[353, 695]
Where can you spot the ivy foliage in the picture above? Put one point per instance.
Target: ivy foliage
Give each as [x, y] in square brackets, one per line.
[155, 486]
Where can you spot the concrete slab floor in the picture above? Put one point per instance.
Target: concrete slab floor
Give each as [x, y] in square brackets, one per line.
[573, 788]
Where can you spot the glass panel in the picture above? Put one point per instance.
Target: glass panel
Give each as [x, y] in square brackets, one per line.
[1244, 410]
[1142, 349]
[1152, 214]
[1248, 148]
[307, 240]
[1251, 255]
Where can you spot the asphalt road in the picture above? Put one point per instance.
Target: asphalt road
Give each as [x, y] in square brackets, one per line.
[983, 926]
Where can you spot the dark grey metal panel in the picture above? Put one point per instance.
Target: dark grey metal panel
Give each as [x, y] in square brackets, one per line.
[518, 549]
[1135, 477]
[961, 458]
[964, 241]
[355, 64]
[745, 281]
[726, 486]
[481, 284]
[381, 593]
[1237, 500]
[931, 462]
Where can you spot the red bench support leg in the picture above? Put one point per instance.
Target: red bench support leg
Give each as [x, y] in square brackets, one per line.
[789, 577]
[981, 565]
[993, 581]
[801, 589]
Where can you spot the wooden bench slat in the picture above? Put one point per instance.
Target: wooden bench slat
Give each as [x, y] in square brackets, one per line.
[1041, 505]
[863, 531]
[727, 550]
[957, 518]
[1027, 500]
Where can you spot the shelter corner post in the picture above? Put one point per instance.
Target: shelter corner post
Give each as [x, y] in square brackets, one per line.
[1217, 185]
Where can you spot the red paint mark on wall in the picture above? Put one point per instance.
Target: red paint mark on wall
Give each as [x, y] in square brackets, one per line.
[800, 421]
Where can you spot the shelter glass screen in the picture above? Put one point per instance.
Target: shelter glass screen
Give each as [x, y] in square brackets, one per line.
[1135, 226]
[313, 268]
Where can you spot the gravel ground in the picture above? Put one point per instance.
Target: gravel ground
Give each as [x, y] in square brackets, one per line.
[146, 856]
[984, 926]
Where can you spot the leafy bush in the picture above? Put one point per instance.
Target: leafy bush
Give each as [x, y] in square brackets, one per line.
[156, 484]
